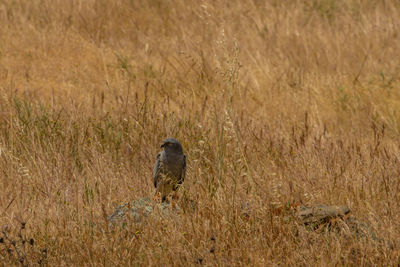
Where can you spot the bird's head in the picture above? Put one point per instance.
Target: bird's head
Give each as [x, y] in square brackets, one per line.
[171, 144]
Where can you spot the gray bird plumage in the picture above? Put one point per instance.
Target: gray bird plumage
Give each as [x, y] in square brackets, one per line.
[170, 168]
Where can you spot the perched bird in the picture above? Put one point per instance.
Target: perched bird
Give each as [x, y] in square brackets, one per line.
[170, 168]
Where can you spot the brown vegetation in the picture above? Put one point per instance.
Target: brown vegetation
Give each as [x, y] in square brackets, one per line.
[275, 102]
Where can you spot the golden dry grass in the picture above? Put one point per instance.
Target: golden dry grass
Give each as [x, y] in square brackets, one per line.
[274, 102]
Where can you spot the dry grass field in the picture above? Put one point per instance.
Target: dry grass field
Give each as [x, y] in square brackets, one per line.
[275, 102]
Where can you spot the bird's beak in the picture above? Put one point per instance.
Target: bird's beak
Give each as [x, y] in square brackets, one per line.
[163, 145]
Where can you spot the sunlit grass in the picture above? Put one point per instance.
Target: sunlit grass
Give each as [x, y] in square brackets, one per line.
[274, 102]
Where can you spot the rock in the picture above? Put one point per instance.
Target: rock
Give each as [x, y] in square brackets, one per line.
[361, 229]
[335, 219]
[137, 210]
[318, 214]
[314, 217]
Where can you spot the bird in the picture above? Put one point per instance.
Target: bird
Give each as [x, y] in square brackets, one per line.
[169, 169]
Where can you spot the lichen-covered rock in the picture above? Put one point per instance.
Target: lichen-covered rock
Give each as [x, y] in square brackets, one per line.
[361, 229]
[335, 219]
[137, 210]
[318, 214]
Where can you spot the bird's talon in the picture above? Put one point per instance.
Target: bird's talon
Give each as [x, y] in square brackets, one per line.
[157, 198]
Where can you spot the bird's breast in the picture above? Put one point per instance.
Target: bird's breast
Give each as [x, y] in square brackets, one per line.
[173, 165]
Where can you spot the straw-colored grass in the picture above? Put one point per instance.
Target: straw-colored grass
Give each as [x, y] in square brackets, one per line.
[274, 102]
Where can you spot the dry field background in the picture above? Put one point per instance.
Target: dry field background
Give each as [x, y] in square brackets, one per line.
[275, 102]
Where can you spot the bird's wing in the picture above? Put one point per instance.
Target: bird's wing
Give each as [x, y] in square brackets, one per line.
[157, 169]
[183, 175]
